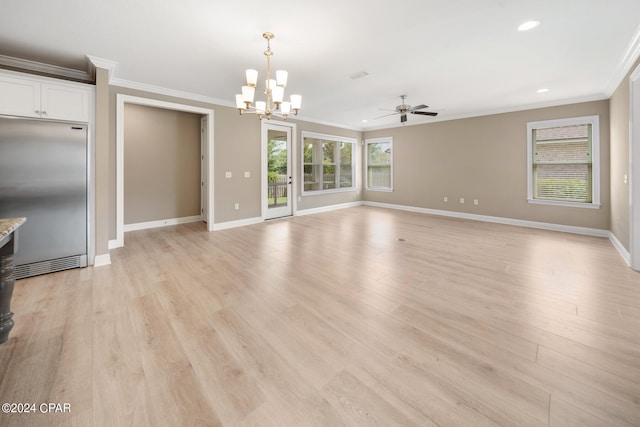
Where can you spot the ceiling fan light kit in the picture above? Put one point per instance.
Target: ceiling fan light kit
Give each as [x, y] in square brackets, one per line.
[274, 104]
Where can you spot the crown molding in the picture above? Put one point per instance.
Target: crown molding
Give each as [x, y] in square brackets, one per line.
[494, 111]
[158, 90]
[302, 118]
[170, 92]
[46, 69]
[631, 55]
[97, 62]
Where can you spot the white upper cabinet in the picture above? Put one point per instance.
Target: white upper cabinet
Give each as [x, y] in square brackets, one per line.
[64, 103]
[43, 98]
[19, 97]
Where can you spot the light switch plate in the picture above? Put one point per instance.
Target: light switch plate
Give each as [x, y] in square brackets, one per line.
[227, 174]
[247, 174]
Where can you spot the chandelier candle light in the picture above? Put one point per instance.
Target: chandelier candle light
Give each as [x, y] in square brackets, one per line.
[274, 89]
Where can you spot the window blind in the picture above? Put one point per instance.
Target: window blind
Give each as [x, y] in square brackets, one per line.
[562, 163]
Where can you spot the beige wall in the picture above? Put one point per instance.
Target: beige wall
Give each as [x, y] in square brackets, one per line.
[480, 158]
[162, 164]
[236, 150]
[485, 158]
[619, 112]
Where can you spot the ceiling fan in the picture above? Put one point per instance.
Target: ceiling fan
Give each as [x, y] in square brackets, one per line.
[403, 109]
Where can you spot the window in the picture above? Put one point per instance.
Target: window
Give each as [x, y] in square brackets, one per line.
[328, 163]
[563, 162]
[379, 164]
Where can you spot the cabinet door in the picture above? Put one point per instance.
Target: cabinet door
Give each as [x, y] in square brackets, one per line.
[19, 97]
[64, 103]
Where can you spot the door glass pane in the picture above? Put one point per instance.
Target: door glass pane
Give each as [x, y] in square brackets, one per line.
[277, 169]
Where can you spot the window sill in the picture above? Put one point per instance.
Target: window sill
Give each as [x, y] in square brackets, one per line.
[565, 204]
[383, 190]
[329, 191]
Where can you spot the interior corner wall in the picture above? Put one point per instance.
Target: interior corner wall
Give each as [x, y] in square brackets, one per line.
[485, 158]
[620, 117]
[162, 164]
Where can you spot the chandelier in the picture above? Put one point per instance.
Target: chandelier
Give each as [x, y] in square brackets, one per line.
[274, 90]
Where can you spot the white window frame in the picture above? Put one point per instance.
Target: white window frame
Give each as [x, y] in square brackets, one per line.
[336, 139]
[594, 121]
[367, 142]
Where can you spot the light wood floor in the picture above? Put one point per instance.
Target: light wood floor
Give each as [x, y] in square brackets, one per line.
[355, 317]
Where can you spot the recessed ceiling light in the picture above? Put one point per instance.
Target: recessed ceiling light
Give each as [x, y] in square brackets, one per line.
[529, 25]
[364, 120]
[543, 90]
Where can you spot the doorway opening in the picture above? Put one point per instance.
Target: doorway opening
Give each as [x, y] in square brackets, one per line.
[206, 156]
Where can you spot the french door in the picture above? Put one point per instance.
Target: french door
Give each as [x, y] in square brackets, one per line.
[277, 170]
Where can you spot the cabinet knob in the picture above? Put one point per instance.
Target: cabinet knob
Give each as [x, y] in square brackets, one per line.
[44, 112]
[37, 111]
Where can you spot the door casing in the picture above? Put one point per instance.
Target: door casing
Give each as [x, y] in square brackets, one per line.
[290, 128]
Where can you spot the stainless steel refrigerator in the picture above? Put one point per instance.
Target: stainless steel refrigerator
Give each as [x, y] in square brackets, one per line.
[43, 177]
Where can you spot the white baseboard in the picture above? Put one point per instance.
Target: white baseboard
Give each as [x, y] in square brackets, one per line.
[257, 220]
[328, 208]
[496, 219]
[105, 259]
[161, 223]
[624, 253]
[235, 224]
[102, 260]
[113, 244]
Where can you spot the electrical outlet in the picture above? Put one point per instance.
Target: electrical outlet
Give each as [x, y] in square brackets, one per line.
[227, 174]
[247, 174]
[475, 202]
[461, 200]
[446, 199]
[237, 206]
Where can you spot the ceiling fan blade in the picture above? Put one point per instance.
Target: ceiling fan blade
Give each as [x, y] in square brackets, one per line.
[403, 118]
[418, 107]
[424, 113]
[386, 115]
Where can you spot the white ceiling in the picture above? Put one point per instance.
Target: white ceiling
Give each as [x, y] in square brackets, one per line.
[461, 57]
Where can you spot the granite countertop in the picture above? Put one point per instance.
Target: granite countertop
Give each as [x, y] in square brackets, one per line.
[9, 225]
